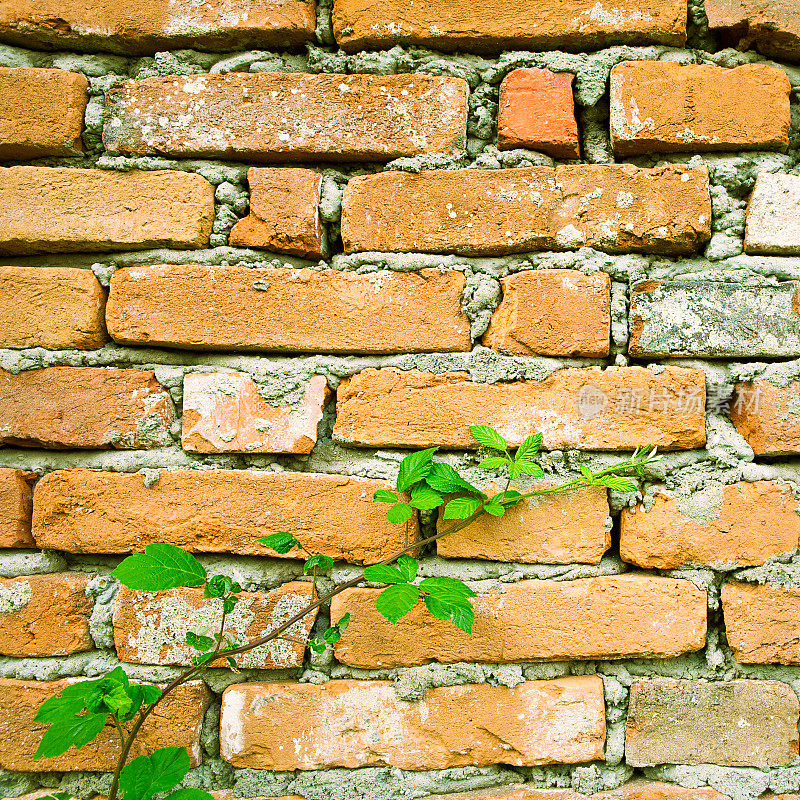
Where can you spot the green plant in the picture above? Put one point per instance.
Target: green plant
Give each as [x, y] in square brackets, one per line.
[78, 714]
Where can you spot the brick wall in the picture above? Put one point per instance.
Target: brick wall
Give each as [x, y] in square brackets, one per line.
[251, 252]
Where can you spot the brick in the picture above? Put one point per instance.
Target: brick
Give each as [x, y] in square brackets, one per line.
[41, 112]
[762, 623]
[274, 116]
[773, 215]
[277, 310]
[54, 307]
[223, 412]
[176, 724]
[287, 726]
[61, 210]
[120, 27]
[589, 618]
[612, 207]
[493, 25]
[45, 615]
[151, 627]
[766, 415]
[773, 27]
[16, 508]
[216, 511]
[284, 212]
[733, 723]
[714, 319]
[553, 312]
[592, 409]
[743, 525]
[664, 107]
[552, 529]
[537, 112]
[81, 407]
[635, 790]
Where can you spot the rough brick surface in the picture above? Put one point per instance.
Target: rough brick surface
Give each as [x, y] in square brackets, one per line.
[616, 208]
[553, 312]
[773, 26]
[288, 116]
[537, 112]
[767, 416]
[617, 408]
[223, 412]
[16, 507]
[608, 617]
[518, 25]
[664, 107]
[217, 511]
[773, 215]
[735, 723]
[151, 627]
[80, 407]
[743, 524]
[41, 112]
[57, 210]
[45, 615]
[318, 311]
[552, 529]
[762, 623]
[283, 726]
[57, 307]
[635, 790]
[176, 723]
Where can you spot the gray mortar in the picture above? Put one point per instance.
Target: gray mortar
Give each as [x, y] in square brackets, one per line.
[103, 589]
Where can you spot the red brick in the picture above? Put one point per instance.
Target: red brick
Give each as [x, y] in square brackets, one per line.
[590, 618]
[59, 210]
[16, 508]
[766, 415]
[537, 111]
[214, 511]
[276, 116]
[589, 408]
[56, 307]
[287, 726]
[617, 208]
[772, 26]
[80, 407]
[41, 112]
[553, 312]
[277, 310]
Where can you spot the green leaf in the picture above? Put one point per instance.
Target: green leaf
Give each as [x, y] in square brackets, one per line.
[493, 462]
[530, 468]
[400, 513]
[443, 478]
[446, 586]
[317, 645]
[529, 448]
[414, 468]
[148, 775]
[189, 794]
[587, 474]
[140, 693]
[77, 731]
[383, 573]
[385, 496]
[332, 635]
[202, 658]
[343, 622]
[161, 566]
[618, 483]
[461, 508]
[396, 601]
[116, 700]
[220, 586]
[70, 701]
[494, 509]
[459, 612]
[199, 642]
[488, 437]
[408, 567]
[279, 542]
[317, 562]
[424, 498]
[514, 471]
[229, 603]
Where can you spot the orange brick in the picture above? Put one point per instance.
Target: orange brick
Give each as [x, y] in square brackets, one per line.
[214, 511]
[731, 723]
[280, 310]
[617, 208]
[664, 107]
[41, 112]
[553, 312]
[45, 615]
[16, 508]
[277, 116]
[224, 413]
[287, 726]
[81, 407]
[537, 111]
[59, 210]
[552, 529]
[609, 617]
[773, 27]
[635, 790]
[151, 627]
[766, 415]
[176, 724]
[589, 408]
[743, 525]
[56, 307]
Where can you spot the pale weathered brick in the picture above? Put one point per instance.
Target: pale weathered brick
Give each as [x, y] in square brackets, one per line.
[733, 723]
[768, 415]
[773, 215]
[277, 310]
[214, 511]
[286, 726]
[589, 618]
[772, 27]
[276, 116]
[16, 507]
[617, 408]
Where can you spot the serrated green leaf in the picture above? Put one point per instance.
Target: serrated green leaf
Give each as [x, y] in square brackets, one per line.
[444, 478]
[530, 468]
[317, 562]
[281, 542]
[414, 467]
[385, 496]
[448, 598]
[446, 586]
[383, 573]
[618, 483]
[161, 566]
[199, 642]
[77, 731]
[461, 508]
[514, 471]
[70, 701]
[494, 509]
[493, 462]
[396, 601]
[408, 567]
[116, 700]
[529, 448]
[488, 437]
[400, 513]
[140, 694]
[424, 498]
[148, 775]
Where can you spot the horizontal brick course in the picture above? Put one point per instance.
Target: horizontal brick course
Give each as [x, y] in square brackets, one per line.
[16, 507]
[765, 414]
[773, 27]
[773, 215]
[634, 790]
